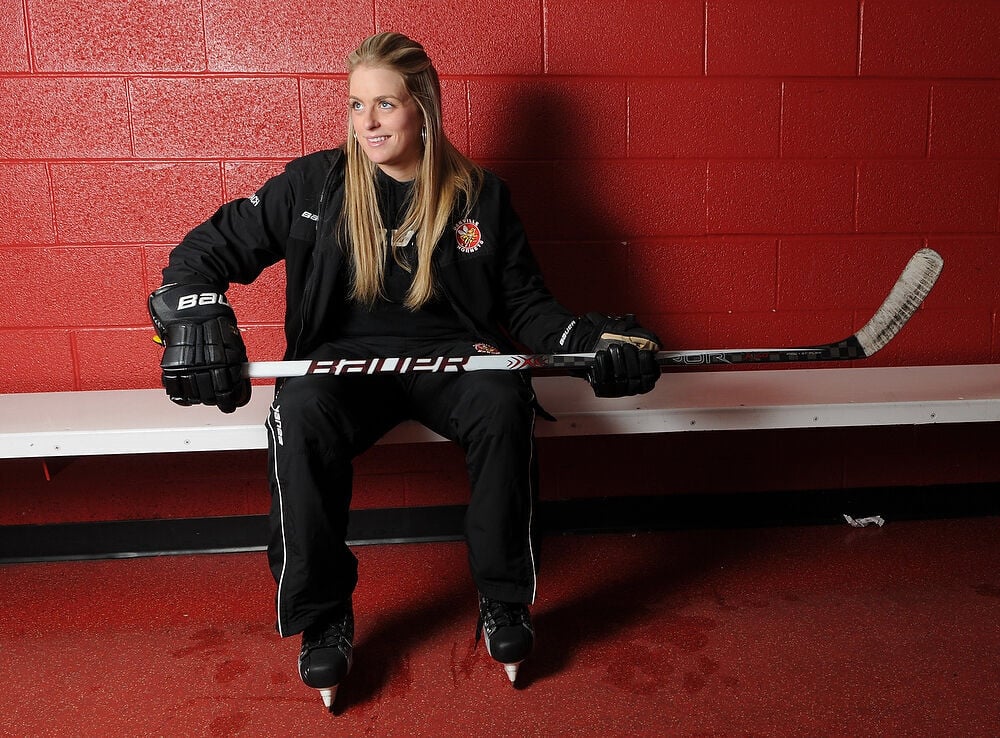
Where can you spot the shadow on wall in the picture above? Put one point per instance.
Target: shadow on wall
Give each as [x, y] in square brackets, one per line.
[538, 142]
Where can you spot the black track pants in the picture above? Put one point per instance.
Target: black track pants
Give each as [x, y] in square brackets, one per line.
[318, 424]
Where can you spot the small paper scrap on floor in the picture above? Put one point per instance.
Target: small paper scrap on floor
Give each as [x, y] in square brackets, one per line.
[862, 522]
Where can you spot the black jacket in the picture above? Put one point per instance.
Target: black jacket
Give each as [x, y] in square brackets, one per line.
[493, 282]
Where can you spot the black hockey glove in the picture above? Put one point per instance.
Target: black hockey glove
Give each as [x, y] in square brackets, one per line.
[625, 354]
[203, 352]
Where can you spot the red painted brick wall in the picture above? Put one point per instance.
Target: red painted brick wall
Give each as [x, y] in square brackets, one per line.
[738, 172]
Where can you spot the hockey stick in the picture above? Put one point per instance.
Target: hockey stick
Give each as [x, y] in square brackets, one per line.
[909, 291]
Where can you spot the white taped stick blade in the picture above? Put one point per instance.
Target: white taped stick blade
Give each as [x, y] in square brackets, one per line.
[909, 291]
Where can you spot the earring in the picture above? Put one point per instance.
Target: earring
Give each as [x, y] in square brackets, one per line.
[423, 135]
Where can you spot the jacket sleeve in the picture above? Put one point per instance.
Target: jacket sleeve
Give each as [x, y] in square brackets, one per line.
[532, 314]
[239, 241]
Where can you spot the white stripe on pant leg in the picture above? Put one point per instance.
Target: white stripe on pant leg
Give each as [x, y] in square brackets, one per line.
[531, 506]
[281, 509]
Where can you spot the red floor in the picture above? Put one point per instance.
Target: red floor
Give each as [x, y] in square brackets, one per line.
[819, 631]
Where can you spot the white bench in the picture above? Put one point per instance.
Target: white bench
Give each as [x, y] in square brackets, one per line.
[56, 424]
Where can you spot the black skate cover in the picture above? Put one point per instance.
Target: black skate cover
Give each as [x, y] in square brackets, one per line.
[327, 652]
[507, 629]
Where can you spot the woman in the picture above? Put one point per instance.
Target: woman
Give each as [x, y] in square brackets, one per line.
[394, 244]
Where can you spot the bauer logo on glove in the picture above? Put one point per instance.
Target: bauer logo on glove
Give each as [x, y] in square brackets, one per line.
[204, 298]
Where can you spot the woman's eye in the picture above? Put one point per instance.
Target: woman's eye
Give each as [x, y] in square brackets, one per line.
[355, 105]
[385, 104]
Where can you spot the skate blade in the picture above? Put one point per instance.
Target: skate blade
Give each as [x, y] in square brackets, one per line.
[328, 696]
[511, 670]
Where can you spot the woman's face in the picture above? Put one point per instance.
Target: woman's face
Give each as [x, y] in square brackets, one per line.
[387, 121]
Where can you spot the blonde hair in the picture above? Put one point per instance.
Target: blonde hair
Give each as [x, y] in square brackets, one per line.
[445, 178]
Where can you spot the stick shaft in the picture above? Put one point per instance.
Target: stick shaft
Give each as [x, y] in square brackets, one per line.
[539, 363]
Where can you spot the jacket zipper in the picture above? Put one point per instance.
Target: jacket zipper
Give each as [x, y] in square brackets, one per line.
[313, 278]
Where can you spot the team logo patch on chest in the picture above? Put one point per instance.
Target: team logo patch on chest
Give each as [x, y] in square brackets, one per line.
[468, 235]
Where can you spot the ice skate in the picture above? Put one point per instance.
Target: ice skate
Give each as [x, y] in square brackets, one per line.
[508, 632]
[327, 653]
